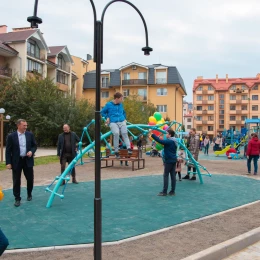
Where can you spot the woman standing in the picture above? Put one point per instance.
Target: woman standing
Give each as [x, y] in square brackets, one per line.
[253, 151]
[206, 145]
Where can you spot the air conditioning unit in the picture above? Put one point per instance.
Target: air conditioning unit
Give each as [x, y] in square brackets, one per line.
[133, 67]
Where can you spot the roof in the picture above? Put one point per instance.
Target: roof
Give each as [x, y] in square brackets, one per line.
[16, 36]
[188, 115]
[174, 76]
[7, 48]
[223, 85]
[55, 50]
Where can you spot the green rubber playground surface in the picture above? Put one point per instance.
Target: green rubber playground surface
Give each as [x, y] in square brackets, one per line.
[130, 208]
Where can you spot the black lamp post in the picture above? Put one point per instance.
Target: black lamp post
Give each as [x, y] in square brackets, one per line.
[98, 58]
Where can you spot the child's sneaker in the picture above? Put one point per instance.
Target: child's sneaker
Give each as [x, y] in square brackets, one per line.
[117, 155]
[171, 193]
[193, 178]
[180, 179]
[162, 194]
[130, 151]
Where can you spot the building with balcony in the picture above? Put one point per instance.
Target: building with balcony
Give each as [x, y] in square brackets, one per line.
[187, 115]
[224, 103]
[24, 53]
[161, 85]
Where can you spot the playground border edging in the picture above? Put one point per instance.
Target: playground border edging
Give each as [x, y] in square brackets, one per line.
[13, 251]
[227, 248]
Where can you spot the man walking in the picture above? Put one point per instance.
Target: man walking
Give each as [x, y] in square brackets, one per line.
[67, 149]
[20, 149]
[116, 118]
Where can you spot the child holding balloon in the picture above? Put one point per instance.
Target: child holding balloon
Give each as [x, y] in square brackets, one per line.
[3, 240]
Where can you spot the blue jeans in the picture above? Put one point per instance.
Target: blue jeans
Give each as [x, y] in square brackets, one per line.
[3, 242]
[255, 159]
[206, 149]
[169, 168]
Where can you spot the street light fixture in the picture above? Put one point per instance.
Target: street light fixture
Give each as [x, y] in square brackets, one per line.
[98, 58]
[2, 111]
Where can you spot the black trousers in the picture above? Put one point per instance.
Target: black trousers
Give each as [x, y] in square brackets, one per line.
[28, 173]
[67, 157]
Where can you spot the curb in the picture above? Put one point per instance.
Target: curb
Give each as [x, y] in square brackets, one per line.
[227, 248]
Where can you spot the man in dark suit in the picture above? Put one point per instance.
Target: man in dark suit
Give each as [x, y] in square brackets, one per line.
[67, 149]
[20, 149]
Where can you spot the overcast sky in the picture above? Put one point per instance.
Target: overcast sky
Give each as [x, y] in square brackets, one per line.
[199, 37]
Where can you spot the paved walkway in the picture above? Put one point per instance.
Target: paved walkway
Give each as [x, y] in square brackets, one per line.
[250, 253]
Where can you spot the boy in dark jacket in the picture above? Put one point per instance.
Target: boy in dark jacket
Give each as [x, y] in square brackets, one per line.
[170, 158]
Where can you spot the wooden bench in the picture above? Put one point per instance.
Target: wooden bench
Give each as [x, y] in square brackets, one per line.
[124, 156]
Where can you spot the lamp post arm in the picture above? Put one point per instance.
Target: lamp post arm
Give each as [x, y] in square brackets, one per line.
[95, 33]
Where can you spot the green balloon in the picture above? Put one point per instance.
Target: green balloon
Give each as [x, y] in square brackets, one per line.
[157, 116]
[159, 147]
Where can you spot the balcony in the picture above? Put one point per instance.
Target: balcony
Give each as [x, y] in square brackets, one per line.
[161, 81]
[204, 92]
[199, 122]
[204, 122]
[40, 57]
[5, 72]
[210, 112]
[134, 82]
[238, 122]
[239, 112]
[204, 102]
[239, 101]
[64, 68]
[104, 85]
[204, 112]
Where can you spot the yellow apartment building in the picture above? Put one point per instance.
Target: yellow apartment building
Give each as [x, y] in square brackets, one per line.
[161, 85]
[224, 103]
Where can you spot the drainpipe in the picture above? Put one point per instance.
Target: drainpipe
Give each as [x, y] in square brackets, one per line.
[20, 67]
[176, 89]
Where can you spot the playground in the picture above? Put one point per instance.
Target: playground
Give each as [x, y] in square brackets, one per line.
[131, 208]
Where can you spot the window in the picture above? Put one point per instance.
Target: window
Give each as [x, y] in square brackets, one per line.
[210, 107]
[232, 97]
[34, 66]
[255, 87]
[254, 107]
[211, 97]
[199, 118]
[221, 112]
[254, 117]
[233, 87]
[161, 77]
[232, 107]
[126, 76]
[199, 88]
[61, 62]
[161, 91]
[162, 108]
[221, 126]
[221, 101]
[199, 98]
[62, 78]
[142, 93]
[221, 106]
[188, 119]
[244, 87]
[210, 88]
[244, 107]
[232, 118]
[199, 128]
[210, 118]
[199, 108]
[221, 122]
[244, 97]
[104, 82]
[126, 92]
[243, 118]
[188, 126]
[221, 96]
[33, 49]
[105, 94]
[254, 97]
[142, 75]
[210, 128]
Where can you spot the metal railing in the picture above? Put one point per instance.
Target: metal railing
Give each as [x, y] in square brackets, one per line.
[41, 57]
[134, 82]
[161, 81]
[6, 72]
[104, 84]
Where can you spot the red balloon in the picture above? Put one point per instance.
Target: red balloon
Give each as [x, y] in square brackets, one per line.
[157, 133]
[151, 123]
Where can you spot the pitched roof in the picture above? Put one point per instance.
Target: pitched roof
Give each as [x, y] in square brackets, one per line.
[16, 36]
[223, 85]
[55, 50]
[7, 48]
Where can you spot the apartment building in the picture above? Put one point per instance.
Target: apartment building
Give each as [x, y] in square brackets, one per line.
[25, 53]
[224, 103]
[187, 115]
[161, 85]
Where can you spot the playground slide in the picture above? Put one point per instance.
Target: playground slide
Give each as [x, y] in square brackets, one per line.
[223, 151]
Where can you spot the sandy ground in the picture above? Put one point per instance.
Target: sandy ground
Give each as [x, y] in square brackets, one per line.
[173, 244]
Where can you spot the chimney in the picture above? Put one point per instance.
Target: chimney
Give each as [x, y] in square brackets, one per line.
[89, 57]
[226, 78]
[3, 29]
[258, 75]
[200, 77]
[216, 78]
[22, 29]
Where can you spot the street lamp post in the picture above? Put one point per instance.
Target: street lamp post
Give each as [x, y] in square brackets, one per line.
[2, 111]
[98, 58]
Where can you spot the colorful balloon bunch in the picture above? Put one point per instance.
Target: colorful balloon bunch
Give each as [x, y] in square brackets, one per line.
[157, 119]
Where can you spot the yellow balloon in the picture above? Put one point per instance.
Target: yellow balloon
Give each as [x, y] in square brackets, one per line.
[152, 119]
[163, 120]
[1, 195]
[160, 122]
